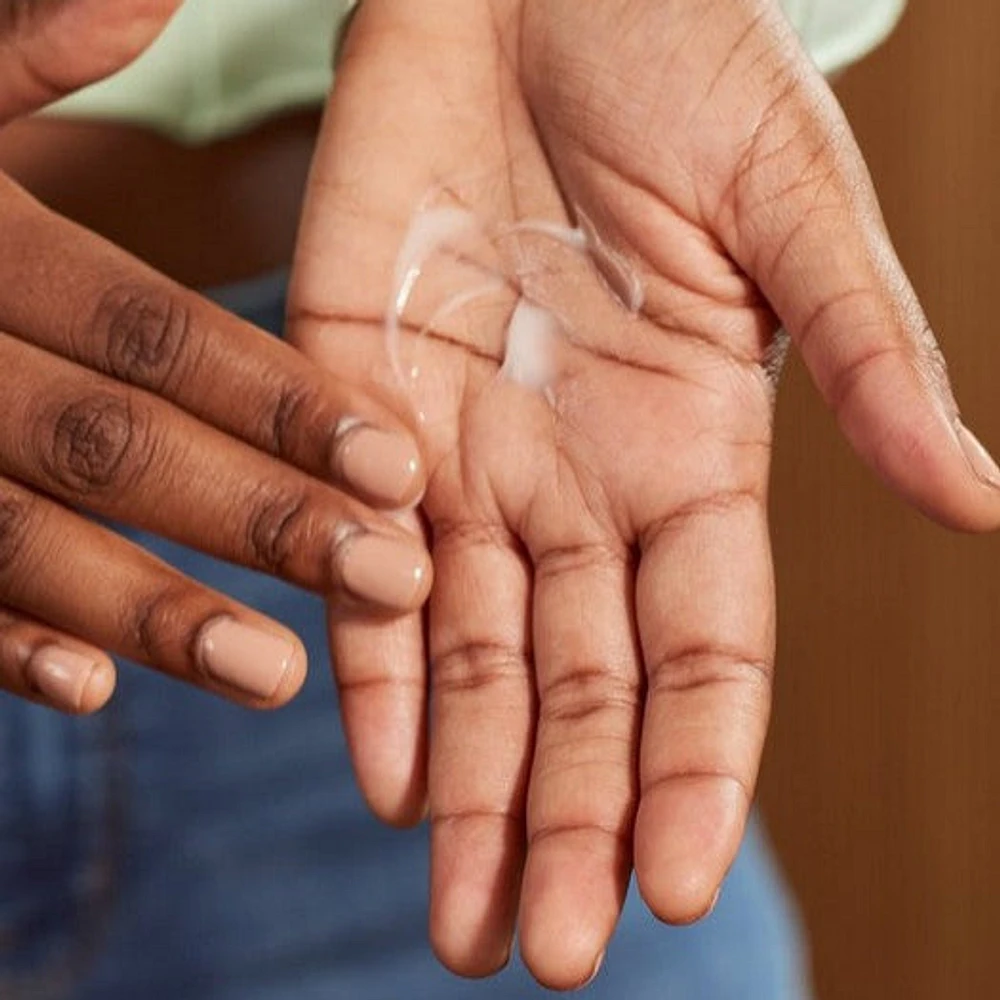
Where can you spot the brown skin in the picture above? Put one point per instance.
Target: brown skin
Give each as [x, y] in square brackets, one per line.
[129, 397]
[601, 633]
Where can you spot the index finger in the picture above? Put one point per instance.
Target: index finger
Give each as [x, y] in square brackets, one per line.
[117, 316]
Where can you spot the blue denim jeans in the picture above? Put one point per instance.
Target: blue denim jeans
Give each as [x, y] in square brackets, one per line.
[179, 848]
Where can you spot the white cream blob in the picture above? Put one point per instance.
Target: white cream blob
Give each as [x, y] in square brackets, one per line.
[530, 355]
[431, 231]
[532, 332]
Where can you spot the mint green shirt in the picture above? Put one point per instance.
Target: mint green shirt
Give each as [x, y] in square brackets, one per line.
[222, 65]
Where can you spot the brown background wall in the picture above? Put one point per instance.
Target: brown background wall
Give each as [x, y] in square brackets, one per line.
[882, 784]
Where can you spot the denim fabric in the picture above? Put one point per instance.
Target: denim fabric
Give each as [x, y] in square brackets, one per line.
[179, 848]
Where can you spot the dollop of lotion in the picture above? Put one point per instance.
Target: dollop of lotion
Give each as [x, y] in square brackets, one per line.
[531, 336]
[431, 231]
[529, 358]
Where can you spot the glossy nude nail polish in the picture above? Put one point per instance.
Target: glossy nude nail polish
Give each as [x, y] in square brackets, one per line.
[70, 681]
[249, 660]
[391, 572]
[379, 465]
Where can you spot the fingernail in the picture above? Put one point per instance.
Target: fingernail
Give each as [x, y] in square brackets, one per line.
[248, 659]
[70, 681]
[393, 573]
[983, 464]
[379, 464]
[596, 972]
[714, 903]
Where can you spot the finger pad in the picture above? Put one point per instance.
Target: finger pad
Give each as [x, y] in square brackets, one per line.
[688, 832]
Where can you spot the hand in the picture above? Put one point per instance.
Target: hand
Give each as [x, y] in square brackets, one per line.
[601, 632]
[128, 397]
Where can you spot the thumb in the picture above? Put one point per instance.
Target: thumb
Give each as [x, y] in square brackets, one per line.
[49, 48]
[806, 226]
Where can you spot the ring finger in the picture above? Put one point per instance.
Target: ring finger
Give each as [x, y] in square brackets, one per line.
[123, 453]
[78, 579]
[45, 665]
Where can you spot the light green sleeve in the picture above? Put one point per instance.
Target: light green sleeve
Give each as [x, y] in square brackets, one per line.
[223, 65]
[839, 32]
[220, 66]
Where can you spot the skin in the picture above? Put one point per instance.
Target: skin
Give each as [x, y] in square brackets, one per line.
[128, 397]
[601, 633]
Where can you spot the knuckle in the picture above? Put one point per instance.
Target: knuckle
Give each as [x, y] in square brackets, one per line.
[145, 332]
[284, 419]
[848, 381]
[570, 560]
[20, 640]
[705, 666]
[11, 646]
[159, 621]
[478, 665]
[590, 693]
[699, 775]
[275, 528]
[618, 834]
[96, 443]
[463, 535]
[720, 504]
[15, 517]
[856, 303]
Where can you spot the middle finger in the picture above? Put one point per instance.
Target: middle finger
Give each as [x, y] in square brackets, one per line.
[125, 454]
[584, 783]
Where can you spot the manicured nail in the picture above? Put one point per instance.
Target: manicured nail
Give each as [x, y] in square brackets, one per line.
[70, 681]
[248, 659]
[714, 903]
[393, 573]
[379, 464]
[596, 972]
[982, 462]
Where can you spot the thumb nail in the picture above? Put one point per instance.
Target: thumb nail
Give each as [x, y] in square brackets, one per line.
[981, 461]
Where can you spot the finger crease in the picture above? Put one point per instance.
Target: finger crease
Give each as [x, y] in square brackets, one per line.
[620, 835]
[474, 666]
[705, 666]
[694, 775]
[460, 816]
[717, 504]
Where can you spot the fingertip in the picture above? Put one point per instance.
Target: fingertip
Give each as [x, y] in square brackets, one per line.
[71, 680]
[379, 667]
[986, 480]
[566, 960]
[476, 861]
[470, 960]
[953, 485]
[390, 573]
[573, 892]
[385, 726]
[249, 659]
[473, 911]
[398, 800]
[98, 688]
[383, 467]
[294, 677]
[688, 833]
[911, 435]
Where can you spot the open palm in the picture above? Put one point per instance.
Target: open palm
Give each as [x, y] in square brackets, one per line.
[601, 631]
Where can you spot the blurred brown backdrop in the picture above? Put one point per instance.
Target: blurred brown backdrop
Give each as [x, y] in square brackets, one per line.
[882, 783]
